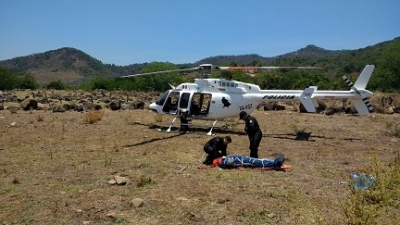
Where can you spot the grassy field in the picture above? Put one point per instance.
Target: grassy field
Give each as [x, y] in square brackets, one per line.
[56, 168]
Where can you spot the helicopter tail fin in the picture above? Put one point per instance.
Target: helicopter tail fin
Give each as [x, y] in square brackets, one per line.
[362, 81]
[306, 100]
[362, 104]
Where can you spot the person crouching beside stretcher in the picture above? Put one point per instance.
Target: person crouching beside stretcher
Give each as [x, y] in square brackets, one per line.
[235, 161]
[215, 148]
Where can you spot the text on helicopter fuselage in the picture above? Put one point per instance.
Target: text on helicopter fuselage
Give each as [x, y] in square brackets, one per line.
[279, 97]
[244, 107]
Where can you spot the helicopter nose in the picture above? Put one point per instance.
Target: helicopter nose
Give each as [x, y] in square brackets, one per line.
[154, 107]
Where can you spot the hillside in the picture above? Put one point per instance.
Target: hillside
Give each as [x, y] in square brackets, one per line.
[73, 66]
[70, 65]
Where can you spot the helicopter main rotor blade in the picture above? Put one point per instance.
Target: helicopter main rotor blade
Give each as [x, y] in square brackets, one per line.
[161, 72]
[264, 67]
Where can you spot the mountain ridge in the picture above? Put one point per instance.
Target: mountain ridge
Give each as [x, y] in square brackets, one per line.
[73, 66]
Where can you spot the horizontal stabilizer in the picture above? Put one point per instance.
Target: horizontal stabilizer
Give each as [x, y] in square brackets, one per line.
[306, 100]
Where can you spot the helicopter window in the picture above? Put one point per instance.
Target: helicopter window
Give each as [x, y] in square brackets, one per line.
[232, 85]
[223, 84]
[184, 100]
[200, 104]
[174, 100]
[161, 99]
[219, 83]
[236, 85]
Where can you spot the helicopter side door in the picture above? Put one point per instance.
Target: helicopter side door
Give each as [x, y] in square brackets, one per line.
[200, 104]
[184, 101]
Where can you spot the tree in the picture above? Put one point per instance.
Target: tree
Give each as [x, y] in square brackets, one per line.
[9, 80]
[57, 85]
[28, 82]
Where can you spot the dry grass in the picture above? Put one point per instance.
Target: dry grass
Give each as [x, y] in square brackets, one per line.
[55, 171]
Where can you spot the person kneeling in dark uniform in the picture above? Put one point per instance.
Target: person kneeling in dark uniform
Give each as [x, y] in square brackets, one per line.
[215, 148]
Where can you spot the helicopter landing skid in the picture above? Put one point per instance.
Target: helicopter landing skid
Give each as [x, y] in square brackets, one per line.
[170, 125]
[194, 126]
[210, 132]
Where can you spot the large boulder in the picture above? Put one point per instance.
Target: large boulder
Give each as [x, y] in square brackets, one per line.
[115, 105]
[91, 106]
[321, 107]
[29, 104]
[138, 105]
[273, 106]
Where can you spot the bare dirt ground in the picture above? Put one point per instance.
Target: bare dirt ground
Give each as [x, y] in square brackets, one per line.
[55, 168]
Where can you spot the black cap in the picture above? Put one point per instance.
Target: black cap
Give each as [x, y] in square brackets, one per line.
[241, 114]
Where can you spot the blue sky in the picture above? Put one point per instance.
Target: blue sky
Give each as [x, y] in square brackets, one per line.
[124, 32]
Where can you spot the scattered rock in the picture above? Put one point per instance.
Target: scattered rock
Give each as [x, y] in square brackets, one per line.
[111, 181]
[119, 180]
[57, 108]
[111, 214]
[137, 202]
[13, 124]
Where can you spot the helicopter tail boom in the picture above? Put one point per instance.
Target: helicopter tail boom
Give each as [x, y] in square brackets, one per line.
[357, 94]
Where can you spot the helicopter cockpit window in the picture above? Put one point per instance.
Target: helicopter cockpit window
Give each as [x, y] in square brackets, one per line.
[171, 104]
[232, 84]
[161, 99]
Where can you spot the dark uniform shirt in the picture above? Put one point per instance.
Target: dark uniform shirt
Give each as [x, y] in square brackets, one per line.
[252, 128]
[214, 145]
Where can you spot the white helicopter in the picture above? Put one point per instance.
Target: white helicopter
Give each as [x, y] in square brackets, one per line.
[217, 99]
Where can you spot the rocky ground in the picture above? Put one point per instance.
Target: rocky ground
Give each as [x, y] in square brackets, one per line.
[56, 168]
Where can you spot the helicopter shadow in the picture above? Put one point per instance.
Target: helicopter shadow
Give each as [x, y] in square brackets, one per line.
[305, 136]
[197, 130]
[152, 140]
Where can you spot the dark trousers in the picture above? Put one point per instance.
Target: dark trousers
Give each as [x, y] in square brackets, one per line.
[254, 143]
[211, 155]
[184, 128]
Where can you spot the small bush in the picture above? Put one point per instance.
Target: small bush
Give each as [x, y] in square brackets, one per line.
[298, 131]
[394, 129]
[93, 116]
[158, 118]
[39, 118]
[144, 181]
[13, 110]
[366, 206]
